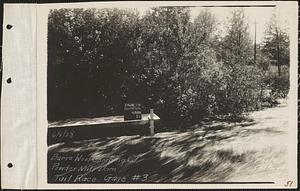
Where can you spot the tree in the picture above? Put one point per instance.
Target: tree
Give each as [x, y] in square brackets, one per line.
[205, 38]
[242, 80]
[91, 61]
[100, 58]
[164, 42]
[237, 44]
[276, 44]
[205, 26]
[199, 62]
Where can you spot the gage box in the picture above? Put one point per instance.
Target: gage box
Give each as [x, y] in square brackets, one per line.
[132, 111]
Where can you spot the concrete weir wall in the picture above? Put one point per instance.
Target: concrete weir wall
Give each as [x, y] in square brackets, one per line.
[84, 129]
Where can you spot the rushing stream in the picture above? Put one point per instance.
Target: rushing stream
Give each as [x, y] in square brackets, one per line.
[254, 150]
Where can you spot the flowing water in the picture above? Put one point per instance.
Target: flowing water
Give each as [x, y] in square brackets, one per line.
[252, 150]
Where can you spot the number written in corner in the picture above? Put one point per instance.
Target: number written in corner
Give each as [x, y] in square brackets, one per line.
[288, 183]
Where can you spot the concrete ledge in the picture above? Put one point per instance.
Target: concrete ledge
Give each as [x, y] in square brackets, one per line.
[91, 128]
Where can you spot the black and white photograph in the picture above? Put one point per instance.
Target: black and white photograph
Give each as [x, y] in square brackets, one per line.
[169, 94]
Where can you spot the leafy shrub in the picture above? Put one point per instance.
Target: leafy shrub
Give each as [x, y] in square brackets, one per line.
[279, 85]
[100, 59]
[219, 89]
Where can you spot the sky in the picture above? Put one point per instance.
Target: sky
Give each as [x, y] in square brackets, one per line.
[260, 15]
[285, 11]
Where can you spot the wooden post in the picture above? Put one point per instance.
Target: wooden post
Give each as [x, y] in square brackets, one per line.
[151, 122]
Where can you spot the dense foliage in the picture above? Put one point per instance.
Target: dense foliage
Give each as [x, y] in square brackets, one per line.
[275, 49]
[99, 59]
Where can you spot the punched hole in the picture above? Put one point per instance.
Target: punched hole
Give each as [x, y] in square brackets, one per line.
[9, 26]
[9, 165]
[8, 80]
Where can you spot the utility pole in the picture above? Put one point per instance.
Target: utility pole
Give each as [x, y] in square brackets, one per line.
[255, 42]
[278, 49]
